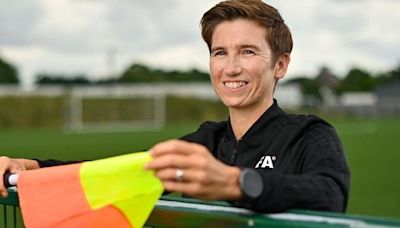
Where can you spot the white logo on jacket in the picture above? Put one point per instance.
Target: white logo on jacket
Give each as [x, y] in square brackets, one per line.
[266, 161]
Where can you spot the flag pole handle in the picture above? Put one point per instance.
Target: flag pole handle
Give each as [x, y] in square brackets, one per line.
[10, 179]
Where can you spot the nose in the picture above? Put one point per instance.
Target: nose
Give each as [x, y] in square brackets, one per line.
[233, 67]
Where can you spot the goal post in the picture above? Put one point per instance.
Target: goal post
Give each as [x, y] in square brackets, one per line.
[115, 109]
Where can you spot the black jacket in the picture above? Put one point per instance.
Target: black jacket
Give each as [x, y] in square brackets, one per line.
[299, 157]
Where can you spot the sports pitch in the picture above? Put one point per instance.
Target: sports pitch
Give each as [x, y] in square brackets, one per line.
[372, 150]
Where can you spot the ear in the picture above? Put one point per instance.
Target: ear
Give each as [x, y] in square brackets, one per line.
[281, 65]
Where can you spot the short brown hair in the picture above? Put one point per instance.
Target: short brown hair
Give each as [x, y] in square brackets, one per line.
[278, 34]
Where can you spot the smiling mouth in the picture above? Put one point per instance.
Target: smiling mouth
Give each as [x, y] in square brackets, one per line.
[235, 85]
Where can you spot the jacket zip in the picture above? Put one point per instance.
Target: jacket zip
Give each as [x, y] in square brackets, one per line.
[235, 149]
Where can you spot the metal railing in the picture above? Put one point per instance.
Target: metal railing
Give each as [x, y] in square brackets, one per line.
[172, 211]
[9, 211]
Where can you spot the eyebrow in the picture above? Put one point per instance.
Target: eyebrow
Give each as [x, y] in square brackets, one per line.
[240, 47]
[215, 49]
[250, 46]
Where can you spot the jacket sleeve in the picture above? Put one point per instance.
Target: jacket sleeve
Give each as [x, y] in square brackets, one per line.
[199, 135]
[322, 184]
[53, 162]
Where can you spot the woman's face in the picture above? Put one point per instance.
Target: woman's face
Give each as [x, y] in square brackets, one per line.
[242, 72]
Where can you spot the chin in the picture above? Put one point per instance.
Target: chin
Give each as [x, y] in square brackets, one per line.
[234, 105]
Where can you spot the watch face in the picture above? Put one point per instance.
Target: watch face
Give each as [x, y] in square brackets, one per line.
[251, 183]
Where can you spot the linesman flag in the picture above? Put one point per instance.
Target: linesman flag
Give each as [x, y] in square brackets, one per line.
[112, 192]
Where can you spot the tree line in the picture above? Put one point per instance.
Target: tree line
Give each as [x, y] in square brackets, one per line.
[356, 80]
[8, 73]
[136, 73]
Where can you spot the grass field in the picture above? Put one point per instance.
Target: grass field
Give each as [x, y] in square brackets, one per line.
[373, 152]
[372, 149]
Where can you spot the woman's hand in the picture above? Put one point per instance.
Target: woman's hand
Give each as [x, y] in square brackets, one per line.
[191, 169]
[14, 165]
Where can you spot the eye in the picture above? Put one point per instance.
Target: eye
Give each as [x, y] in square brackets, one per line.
[248, 52]
[219, 53]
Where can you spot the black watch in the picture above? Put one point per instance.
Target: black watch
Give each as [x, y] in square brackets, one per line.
[250, 183]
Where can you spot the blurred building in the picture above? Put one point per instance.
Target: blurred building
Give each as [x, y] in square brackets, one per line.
[327, 81]
[388, 98]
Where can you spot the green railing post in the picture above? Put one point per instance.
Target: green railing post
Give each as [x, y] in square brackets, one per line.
[5, 215]
[11, 214]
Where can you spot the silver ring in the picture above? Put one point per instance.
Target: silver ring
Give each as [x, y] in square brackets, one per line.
[179, 175]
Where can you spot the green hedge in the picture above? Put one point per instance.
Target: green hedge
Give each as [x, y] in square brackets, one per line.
[24, 111]
[53, 112]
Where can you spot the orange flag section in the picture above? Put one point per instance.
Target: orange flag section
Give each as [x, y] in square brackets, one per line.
[104, 217]
[49, 196]
[113, 192]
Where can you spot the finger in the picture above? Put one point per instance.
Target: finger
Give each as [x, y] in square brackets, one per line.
[168, 161]
[3, 190]
[166, 174]
[16, 169]
[189, 175]
[187, 188]
[175, 146]
[4, 166]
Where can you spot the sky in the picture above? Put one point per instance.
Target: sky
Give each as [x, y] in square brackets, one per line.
[101, 38]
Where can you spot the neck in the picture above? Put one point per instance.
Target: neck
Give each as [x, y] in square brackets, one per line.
[243, 118]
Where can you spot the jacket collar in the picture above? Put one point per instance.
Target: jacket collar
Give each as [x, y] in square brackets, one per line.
[262, 122]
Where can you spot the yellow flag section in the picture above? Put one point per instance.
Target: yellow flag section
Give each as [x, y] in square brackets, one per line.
[112, 192]
[123, 182]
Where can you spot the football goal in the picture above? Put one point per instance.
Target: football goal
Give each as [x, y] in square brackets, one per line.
[105, 109]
